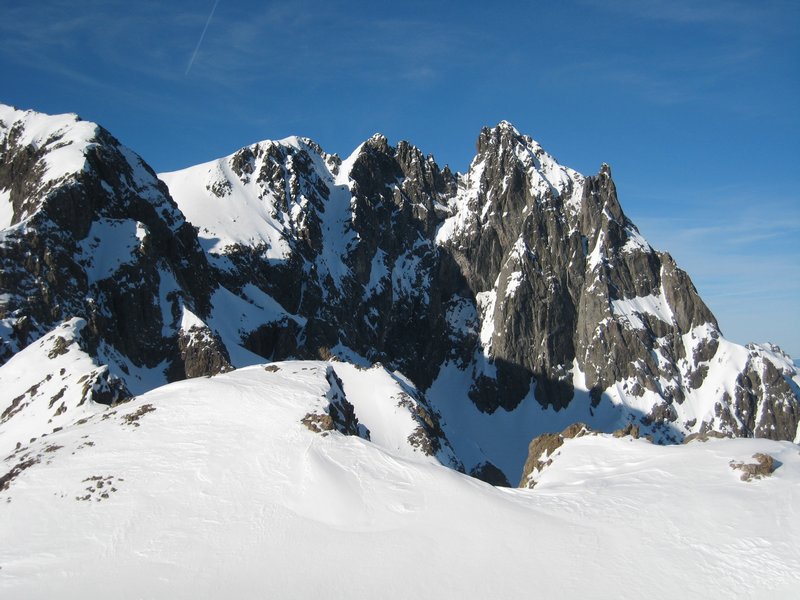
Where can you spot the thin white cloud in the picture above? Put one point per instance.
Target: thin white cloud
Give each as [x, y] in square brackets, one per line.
[715, 12]
[202, 36]
[744, 260]
[324, 46]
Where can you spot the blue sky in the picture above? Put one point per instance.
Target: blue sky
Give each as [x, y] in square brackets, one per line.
[693, 103]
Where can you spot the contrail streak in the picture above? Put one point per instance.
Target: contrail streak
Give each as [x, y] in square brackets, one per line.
[202, 35]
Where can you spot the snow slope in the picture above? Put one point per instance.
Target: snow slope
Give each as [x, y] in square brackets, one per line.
[264, 197]
[48, 385]
[240, 218]
[213, 487]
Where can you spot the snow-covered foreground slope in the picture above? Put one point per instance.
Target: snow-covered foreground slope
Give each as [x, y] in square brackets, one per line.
[213, 487]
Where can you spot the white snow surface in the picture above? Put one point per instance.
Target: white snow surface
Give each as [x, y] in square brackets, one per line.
[630, 310]
[6, 209]
[110, 244]
[213, 488]
[377, 276]
[486, 305]
[66, 136]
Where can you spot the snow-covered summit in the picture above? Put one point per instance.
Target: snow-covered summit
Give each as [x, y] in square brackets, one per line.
[46, 153]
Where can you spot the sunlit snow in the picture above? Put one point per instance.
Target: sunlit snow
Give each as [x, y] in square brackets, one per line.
[213, 487]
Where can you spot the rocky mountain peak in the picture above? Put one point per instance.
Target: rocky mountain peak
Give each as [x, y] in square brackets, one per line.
[502, 136]
[377, 142]
[38, 153]
[517, 295]
[95, 235]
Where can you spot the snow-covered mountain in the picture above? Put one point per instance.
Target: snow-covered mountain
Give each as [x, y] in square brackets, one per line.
[520, 285]
[515, 299]
[89, 231]
[357, 337]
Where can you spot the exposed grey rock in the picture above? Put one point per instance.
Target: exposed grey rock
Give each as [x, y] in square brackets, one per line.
[763, 467]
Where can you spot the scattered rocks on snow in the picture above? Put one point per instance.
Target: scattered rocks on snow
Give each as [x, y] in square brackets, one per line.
[134, 417]
[5, 480]
[763, 467]
[705, 436]
[630, 429]
[100, 487]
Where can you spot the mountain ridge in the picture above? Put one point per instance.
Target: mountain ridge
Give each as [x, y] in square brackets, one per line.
[517, 288]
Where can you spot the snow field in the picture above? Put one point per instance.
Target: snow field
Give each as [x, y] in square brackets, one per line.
[218, 489]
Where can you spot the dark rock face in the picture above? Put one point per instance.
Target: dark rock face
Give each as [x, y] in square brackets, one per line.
[104, 387]
[100, 241]
[489, 473]
[522, 277]
[339, 415]
[201, 352]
